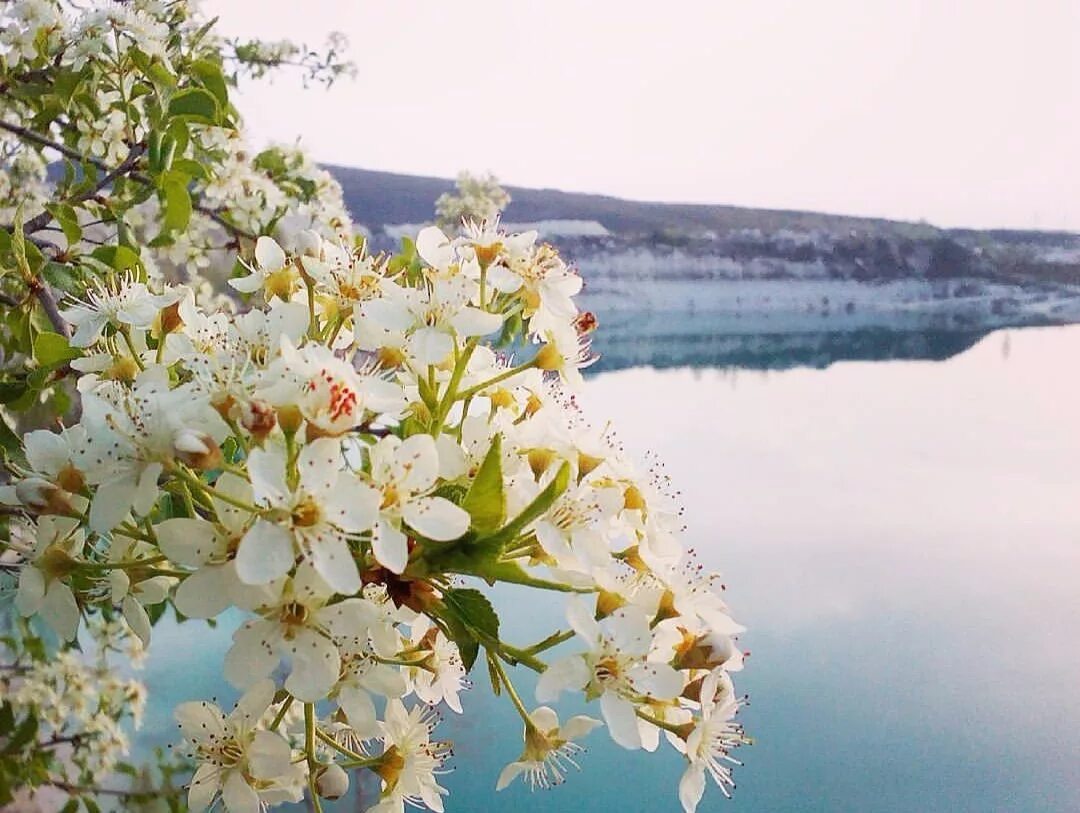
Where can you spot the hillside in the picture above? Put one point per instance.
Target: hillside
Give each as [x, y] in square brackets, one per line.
[689, 281]
[380, 198]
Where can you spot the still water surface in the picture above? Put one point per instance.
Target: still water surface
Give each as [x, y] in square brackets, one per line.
[902, 538]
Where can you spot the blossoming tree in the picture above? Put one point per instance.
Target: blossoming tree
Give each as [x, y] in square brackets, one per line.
[347, 449]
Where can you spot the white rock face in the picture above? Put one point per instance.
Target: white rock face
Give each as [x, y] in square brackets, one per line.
[561, 228]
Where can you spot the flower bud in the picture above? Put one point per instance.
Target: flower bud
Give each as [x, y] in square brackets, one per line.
[43, 497]
[486, 255]
[587, 463]
[607, 603]
[533, 405]
[280, 283]
[332, 782]
[258, 418]
[123, 368]
[169, 319]
[57, 563]
[197, 449]
[223, 405]
[309, 244]
[289, 418]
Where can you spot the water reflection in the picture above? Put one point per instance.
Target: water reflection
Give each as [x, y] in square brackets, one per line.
[777, 351]
[903, 540]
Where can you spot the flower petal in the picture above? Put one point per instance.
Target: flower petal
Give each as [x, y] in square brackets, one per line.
[238, 795]
[436, 518]
[692, 787]
[621, 720]
[265, 553]
[390, 546]
[205, 593]
[268, 254]
[188, 542]
[268, 756]
[316, 664]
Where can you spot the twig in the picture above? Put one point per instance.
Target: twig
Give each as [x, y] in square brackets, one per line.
[44, 295]
[41, 141]
[134, 154]
[127, 794]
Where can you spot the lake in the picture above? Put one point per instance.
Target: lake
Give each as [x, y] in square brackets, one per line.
[901, 537]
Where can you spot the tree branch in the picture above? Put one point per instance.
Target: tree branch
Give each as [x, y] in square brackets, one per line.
[138, 177]
[41, 290]
[134, 154]
[127, 794]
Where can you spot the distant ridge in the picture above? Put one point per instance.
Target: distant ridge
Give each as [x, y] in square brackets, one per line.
[377, 198]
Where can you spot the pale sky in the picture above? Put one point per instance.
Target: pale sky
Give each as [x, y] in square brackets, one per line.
[960, 112]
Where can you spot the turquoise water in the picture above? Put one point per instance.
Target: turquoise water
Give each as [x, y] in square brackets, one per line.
[902, 538]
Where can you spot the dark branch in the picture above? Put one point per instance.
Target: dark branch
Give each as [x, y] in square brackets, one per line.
[138, 177]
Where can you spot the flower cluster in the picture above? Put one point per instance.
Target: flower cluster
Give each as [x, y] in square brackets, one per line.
[349, 459]
[77, 706]
[113, 67]
[475, 197]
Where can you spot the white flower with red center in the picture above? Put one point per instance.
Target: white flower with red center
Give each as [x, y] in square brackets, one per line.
[331, 394]
[313, 521]
[550, 750]
[248, 768]
[616, 668]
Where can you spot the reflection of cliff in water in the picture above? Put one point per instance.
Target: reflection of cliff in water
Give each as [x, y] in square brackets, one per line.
[778, 351]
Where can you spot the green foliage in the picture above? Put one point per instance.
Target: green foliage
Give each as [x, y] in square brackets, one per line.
[472, 621]
[486, 500]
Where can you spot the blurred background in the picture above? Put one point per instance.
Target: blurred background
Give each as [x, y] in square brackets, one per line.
[842, 320]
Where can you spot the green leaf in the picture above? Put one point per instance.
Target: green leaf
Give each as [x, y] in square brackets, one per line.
[61, 276]
[12, 446]
[18, 245]
[541, 503]
[486, 500]
[69, 221]
[11, 391]
[121, 258]
[210, 75]
[472, 619]
[193, 169]
[175, 202]
[24, 733]
[52, 350]
[196, 104]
